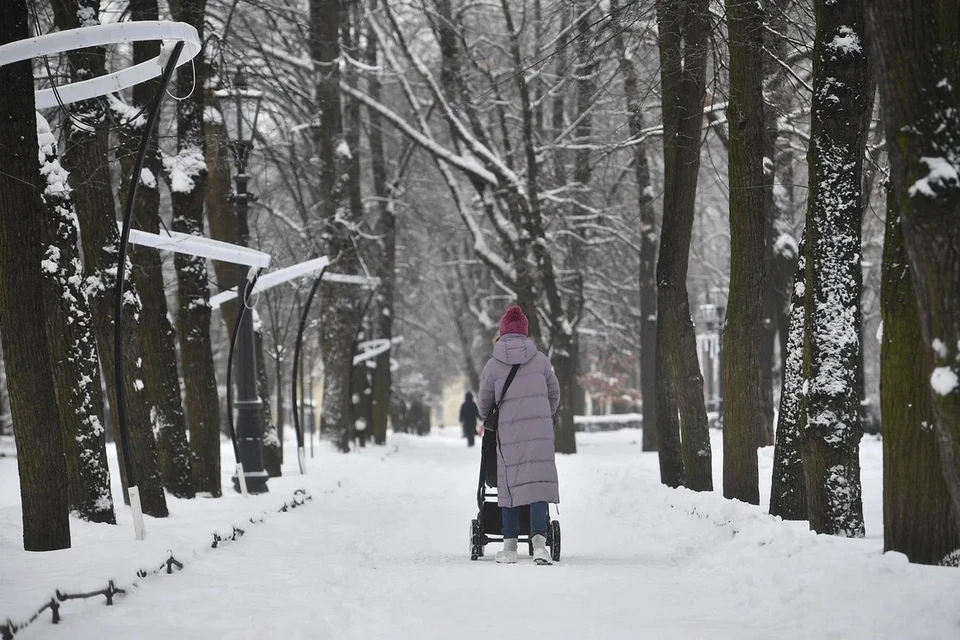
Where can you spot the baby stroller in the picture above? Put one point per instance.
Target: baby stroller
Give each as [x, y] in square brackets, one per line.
[486, 527]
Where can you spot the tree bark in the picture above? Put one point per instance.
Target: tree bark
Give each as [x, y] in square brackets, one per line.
[76, 369]
[272, 453]
[922, 112]
[86, 158]
[780, 249]
[26, 350]
[788, 491]
[648, 247]
[341, 316]
[916, 501]
[743, 419]
[157, 335]
[385, 230]
[187, 176]
[6, 422]
[683, 27]
[840, 112]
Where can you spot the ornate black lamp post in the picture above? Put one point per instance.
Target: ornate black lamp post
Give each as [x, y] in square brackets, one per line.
[240, 106]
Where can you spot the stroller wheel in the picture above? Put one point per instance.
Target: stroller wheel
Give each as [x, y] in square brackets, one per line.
[476, 549]
[555, 540]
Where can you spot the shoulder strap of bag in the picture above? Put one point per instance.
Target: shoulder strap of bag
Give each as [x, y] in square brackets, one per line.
[506, 385]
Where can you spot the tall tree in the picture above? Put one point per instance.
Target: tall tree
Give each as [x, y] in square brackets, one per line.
[385, 230]
[187, 176]
[341, 315]
[86, 158]
[157, 335]
[916, 502]
[788, 489]
[840, 115]
[648, 244]
[40, 457]
[684, 27]
[73, 347]
[742, 416]
[916, 44]
[780, 253]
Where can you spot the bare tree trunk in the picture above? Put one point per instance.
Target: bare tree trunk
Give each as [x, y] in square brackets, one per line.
[6, 422]
[648, 248]
[916, 501]
[26, 350]
[187, 173]
[742, 335]
[86, 158]
[272, 454]
[683, 28]
[779, 255]
[788, 491]
[842, 104]
[922, 113]
[341, 316]
[76, 369]
[157, 335]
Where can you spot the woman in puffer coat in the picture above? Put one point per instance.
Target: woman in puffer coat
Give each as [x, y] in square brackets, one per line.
[526, 463]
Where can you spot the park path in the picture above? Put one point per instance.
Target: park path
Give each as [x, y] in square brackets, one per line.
[382, 552]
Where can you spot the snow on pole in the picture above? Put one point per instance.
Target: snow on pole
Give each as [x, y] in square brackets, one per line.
[242, 480]
[139, 530]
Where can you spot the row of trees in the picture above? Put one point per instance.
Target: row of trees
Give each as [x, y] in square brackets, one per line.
[816, 473]
[575, 157]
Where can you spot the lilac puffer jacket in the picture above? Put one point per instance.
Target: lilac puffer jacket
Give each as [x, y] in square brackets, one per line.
[526, 466]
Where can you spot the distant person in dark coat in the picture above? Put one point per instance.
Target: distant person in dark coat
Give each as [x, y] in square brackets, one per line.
[469, 414]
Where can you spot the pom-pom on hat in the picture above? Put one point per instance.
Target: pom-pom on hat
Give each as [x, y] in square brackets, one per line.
[513, 321]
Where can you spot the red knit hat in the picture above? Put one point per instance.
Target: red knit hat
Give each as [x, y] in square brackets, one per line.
[513, 321]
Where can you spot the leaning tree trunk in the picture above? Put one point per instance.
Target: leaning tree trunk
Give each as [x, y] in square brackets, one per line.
[840, 113]
[916, 501]
[86, 158]
[742, 335]
[921, 103]
[187, 174]
[648, 247]
[158, 339]
[26, 350]
[788, 491]
[683, 28]
[76, 370]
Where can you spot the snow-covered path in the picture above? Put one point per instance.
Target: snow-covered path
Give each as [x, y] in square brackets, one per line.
[382, 552]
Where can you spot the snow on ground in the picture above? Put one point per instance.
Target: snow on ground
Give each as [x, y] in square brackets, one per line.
[382, 552]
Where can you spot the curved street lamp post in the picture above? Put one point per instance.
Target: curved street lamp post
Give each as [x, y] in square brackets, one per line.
[240, 106]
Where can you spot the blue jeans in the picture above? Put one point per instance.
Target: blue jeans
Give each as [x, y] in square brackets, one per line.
[539, 520]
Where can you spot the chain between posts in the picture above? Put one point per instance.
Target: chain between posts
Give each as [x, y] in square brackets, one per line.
[9, 629]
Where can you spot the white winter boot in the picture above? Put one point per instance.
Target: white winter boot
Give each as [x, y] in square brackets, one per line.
[509, 553]
[540, 553]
